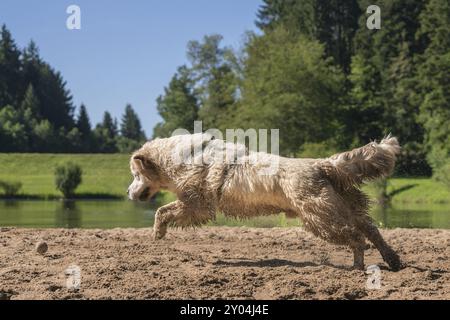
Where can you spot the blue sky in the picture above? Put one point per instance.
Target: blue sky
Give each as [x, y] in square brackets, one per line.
[126, 51]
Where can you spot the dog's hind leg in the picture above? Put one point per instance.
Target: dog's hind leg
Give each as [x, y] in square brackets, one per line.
[345, 234]
[358, 258]
[359, 204]
[357, 245]
[389, 255]
[352, 237]
[331, 224]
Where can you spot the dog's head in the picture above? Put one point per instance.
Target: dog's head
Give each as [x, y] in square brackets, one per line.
[146, 178]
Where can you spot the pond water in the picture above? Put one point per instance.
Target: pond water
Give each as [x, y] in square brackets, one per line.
[112, 214]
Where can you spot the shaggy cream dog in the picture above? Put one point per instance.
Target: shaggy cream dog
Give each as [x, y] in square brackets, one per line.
[323, 193]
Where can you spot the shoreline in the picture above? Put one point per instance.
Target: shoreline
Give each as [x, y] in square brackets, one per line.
[58, 198]
[168, 197]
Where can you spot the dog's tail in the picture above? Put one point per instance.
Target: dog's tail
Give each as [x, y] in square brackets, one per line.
[372, 161]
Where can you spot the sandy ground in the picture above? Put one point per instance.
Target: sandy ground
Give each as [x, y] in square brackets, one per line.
[215, 262]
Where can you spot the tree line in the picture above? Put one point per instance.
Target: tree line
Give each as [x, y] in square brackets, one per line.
[316, 72]
[37, 112]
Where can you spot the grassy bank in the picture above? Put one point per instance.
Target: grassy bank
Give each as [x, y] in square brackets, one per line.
[415, 191]
[104, 175]
[108, 176]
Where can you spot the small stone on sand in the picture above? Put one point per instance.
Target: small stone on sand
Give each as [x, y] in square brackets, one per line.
[41, 247]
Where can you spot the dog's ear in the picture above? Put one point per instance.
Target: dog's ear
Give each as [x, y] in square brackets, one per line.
[138, 160]
[139, 157]
[145, 164]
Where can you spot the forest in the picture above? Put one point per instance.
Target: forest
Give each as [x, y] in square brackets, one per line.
[313, 70]
[37, 112]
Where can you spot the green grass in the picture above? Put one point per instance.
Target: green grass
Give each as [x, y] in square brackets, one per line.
[416, 190]
[104, 175]
[108, 175]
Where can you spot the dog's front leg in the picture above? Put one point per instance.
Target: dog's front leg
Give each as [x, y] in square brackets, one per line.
[164, 216]
[181, 214]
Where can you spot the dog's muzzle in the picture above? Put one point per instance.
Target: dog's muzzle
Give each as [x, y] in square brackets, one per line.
[145, 194]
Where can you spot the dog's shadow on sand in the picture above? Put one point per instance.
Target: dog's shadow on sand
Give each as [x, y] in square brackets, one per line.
[264, 263]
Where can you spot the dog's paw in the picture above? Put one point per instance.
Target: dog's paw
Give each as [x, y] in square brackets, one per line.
[393, 260]
[358, 266]
[158, 234]
[396, 264]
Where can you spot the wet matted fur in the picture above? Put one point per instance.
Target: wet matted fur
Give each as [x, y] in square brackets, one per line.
[323, 193]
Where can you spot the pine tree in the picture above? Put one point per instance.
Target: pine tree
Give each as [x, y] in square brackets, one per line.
[337, 23]
[10, 70]
[364, 117]
[29, 114]
[109, 125]
[333, 23]
[50, 88]
[83, 122]
[294, 15]
[131, 125]
[32, 66]
[106, 134]
[433, 78]
[84, 127]
[381, 98]
[55, 99]
[178, 106]
[30, 103]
